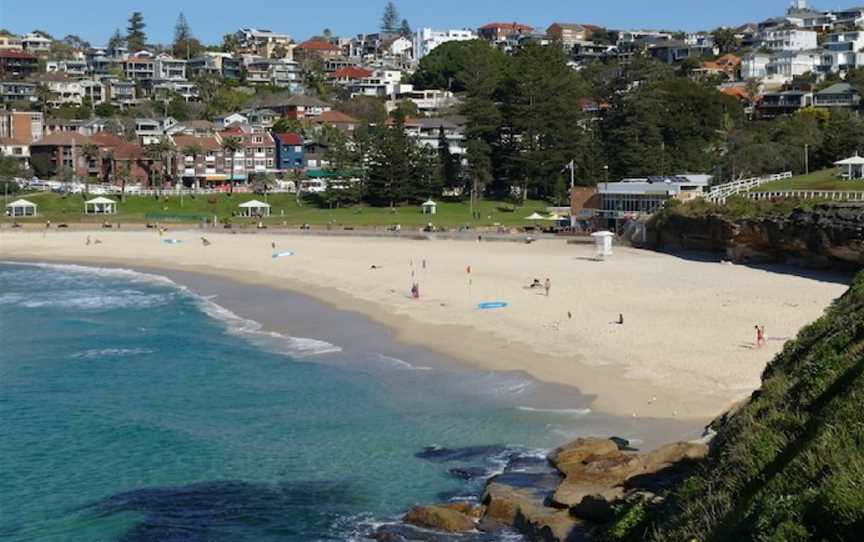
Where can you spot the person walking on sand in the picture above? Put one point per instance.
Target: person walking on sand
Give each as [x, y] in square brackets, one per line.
[760, 338]
[88, 241]
[547, 286]
[620, 319]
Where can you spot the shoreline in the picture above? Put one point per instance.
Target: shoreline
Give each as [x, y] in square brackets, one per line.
[608, 386]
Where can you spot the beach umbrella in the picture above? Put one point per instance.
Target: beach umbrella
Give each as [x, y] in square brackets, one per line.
[535, 216]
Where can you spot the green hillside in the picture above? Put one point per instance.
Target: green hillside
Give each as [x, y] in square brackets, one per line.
[789, 466]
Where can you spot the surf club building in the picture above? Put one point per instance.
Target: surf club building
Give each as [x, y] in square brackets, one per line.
[610, 205]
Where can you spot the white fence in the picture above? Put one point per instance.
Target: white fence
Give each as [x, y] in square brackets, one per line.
[720, 193]
[833, 195]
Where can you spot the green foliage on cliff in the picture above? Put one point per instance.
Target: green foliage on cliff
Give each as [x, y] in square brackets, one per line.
[789, 465]
[736, 207]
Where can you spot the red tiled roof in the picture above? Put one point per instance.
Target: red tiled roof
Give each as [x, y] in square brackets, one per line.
[12, 53]
[206, 143]
[737, 92]
[104, 139]
[129, 151]
[351, 72]
[289, 139]
[334, 117]
[318, 45]
[62, 139]
[15, 141]
[509, 26]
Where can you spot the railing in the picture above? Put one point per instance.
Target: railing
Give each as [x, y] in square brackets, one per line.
[832, 195]
[720, 193]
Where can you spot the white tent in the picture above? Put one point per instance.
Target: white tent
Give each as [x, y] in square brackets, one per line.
[100, 206]
[603, 242]
[853, 167]
[430, 208]
[255, 208]
[21, 207]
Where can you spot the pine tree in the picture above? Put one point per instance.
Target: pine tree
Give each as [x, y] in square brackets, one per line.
[136, 39]
[390, 19]
[405, 29]
[448, 163]
[117, 40]
[185, 44]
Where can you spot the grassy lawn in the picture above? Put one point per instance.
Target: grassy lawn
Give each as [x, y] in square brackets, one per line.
[825, 179]
[284, 208]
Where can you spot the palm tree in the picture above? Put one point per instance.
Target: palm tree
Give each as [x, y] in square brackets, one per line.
[230, 147]
[90, 153]
[160, 152]
[194, 150]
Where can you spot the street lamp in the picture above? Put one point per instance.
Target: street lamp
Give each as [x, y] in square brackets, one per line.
[606, 173]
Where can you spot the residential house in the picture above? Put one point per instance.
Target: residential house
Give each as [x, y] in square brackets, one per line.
[286, 74]
[151, 131]
[120, 93]
[301, 107]
[842, 52]
[570, 34]
[17, 63]
[585, 52]
[64, 90]
[337, 119]
[314, 155]
[207, 167]
[93, 91]
[289, 151]
[427, 39]
[262, 42]
[430, 102]
[755, 65]
[227, 120]
[399, 47]
[168, 68]
[427, 131]
[17, 91]
[214, 64]
[316, 50]
[193, 128]
[140, 67]
[848, 18]
[672, 51]
[26, 126]
[265, 118]
[130, 163]
[775, 104]
[727, 65]
[73, 68]
[9, 42]
[35, 42]
[17, 148]
[382, 83]
[747, 101]
[840, 95]
[256, 156]
[499, 32]
[59, 156]
[786, 65]
[788, 39]
[185, 89]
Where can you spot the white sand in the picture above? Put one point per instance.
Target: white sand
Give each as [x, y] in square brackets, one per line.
[686, 348]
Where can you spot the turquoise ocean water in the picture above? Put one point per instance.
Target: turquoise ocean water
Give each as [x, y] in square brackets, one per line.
[132, 409]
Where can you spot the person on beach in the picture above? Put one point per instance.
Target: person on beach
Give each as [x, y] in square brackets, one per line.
[758, 335]
[620, 319]
[547, 286]
[205, 242]
[415, 291]
[273, 245]
[88, 241]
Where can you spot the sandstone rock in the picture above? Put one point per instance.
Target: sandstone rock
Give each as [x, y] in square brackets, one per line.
[467, 508]
[439, 518]
[571, 494]
[673, 453]
[574, 454]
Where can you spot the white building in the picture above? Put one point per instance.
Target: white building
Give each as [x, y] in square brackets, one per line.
[842, 52]
[754, 65]
[168, 68]
[262, 42]
[784, 66]
[35, 43]
[788, 39]
[76, 68]
[427, 39]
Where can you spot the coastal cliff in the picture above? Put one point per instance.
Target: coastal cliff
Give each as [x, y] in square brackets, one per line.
[822, 236]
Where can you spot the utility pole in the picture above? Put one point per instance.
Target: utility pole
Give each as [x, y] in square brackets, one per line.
[806, 159]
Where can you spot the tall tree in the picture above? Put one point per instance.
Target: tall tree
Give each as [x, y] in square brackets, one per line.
[136, 39]
[116, 40]
[185, 45]
[230, 147]
[450, 167]
[405, 29]
[390, 19]
[160, 153]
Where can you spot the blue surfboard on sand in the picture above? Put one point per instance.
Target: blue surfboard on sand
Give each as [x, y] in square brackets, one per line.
[491, 305]
[277, 255]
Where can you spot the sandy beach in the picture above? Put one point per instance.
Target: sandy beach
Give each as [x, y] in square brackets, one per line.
[686, 348]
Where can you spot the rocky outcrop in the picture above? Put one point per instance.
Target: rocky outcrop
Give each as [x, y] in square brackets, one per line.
[584, 484]
[826, 236]
[450, 519]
